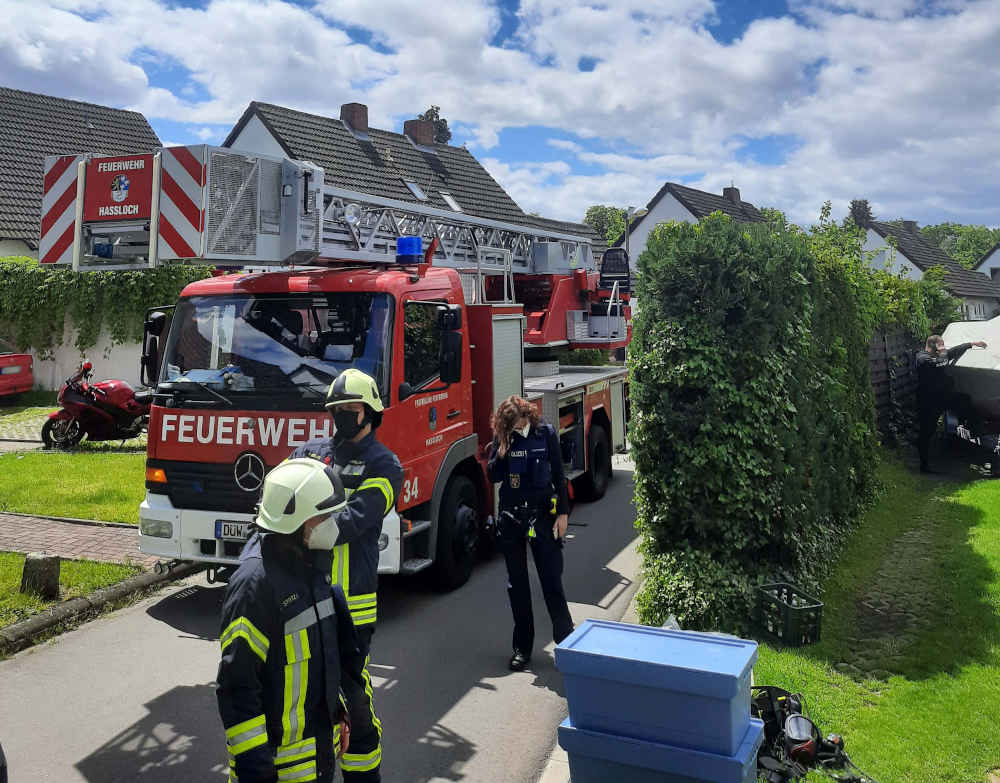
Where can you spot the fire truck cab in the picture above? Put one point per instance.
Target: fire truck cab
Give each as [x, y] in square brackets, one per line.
[241, 364]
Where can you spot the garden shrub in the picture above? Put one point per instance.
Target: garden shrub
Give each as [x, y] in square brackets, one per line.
[753, 428]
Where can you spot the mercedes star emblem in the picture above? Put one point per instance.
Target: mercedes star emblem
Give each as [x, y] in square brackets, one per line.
[249, 472]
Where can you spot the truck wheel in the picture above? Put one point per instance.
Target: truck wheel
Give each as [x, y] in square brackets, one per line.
[61, 433]
[458, 533]
[594, 482]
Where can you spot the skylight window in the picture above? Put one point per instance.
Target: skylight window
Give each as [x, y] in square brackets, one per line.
[450, 201]
[415, 190]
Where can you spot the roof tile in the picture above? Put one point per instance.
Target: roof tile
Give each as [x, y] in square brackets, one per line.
[33, 126]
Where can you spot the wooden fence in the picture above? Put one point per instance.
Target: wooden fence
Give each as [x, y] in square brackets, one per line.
[894, 382]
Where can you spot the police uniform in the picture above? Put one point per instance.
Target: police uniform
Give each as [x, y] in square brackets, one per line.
[287, 645]
[533, 493]
[372, 477]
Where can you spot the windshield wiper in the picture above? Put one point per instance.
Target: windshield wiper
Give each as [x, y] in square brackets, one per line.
[172, 386]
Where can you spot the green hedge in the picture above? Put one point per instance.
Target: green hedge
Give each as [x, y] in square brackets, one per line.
[753, 426]
[35, 302]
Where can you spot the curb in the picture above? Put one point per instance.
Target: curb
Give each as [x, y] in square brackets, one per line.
[73, 520]
[18, 636]
[20, 440]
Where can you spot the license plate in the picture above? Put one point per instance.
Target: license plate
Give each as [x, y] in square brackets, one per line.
[232, 531]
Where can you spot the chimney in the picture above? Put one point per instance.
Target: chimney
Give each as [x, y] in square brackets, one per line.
[356, 116]
[910, 225]
[421, 132]
[731, 194]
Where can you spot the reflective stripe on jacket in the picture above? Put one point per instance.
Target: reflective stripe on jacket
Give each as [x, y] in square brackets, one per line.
[286, 637]
[372, 478]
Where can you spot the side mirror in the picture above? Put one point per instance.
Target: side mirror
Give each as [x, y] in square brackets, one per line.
[450, 318]
[451, 357]
[155, 323]
[405, 390]
[149, 365]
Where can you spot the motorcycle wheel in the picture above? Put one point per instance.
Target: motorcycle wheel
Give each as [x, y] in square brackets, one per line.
[61, 433]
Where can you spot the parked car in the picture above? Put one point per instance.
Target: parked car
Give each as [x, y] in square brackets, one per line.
[16, 373]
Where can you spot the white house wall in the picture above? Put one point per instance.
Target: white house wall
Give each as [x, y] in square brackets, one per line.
[255, 137]
[120, 362]
[668, 208]
[990, 266]
[15, 247]
[978, 309]
[890, 259]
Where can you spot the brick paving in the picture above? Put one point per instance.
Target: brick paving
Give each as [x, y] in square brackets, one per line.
[23, 427]
[72, 540]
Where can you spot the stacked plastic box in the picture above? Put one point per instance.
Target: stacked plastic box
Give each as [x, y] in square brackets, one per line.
[648, 705]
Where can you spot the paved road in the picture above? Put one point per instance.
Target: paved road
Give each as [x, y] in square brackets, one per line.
[131, 694]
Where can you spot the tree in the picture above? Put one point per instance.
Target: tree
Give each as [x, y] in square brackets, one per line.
[965, 244]
[609, 222]
[442, 135]
[861, 213]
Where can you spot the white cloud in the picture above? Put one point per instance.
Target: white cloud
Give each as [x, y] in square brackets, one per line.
[893, 100]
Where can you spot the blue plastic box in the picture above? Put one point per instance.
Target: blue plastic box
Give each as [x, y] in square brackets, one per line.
[680, 688]
[601, 758]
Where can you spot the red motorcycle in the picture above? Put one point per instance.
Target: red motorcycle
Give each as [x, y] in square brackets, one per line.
[107, 410]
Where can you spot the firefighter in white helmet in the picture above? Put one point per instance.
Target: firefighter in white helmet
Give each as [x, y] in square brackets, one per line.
[372, 479]
[287, 637]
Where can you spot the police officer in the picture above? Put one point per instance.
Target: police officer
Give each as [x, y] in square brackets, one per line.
[527, 461]
[287, 638]
[934, 390]
[372, 477]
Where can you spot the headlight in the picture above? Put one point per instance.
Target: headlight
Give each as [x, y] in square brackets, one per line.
[383, 541]
[156, 528]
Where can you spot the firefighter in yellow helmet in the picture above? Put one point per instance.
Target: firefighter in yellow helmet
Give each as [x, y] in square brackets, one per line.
[287, 638]
[372, 478]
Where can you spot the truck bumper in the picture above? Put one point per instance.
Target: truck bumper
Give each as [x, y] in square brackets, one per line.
[189, 534]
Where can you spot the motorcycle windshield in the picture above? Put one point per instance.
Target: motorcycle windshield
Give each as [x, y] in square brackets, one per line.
[288, 347]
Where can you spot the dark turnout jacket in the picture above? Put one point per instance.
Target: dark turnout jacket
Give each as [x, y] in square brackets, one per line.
[286, 638]
[372, 477]
[934, 383]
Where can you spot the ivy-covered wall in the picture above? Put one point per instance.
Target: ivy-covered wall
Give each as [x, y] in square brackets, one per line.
[753, 426]
[37, 303]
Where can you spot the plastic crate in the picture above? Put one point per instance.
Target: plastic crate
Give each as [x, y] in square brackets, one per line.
[678, 688]
[595, 757]
[788, 614]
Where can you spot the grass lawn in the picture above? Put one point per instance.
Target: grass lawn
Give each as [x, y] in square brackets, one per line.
[76, 577]
[908, 670]
[89, 484]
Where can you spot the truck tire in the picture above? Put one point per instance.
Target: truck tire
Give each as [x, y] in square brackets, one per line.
[61, 433]
[594, 483]
[458, 534]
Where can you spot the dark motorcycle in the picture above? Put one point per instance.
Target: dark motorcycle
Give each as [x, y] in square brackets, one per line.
[107, 410]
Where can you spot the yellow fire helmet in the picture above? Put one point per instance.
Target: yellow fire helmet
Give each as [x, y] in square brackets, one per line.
[354, 386]
[296, 491]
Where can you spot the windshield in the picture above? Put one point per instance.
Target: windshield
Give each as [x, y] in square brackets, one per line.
[289, 345]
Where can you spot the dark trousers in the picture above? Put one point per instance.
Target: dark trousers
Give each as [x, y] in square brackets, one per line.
[927, 419]
[548, 555]
[363, 760]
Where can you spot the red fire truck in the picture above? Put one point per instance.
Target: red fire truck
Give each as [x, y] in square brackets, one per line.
[240, 365]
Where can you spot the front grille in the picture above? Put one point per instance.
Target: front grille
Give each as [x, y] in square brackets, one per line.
[205, 486]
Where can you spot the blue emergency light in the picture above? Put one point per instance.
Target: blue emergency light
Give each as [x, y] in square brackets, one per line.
[409, 250]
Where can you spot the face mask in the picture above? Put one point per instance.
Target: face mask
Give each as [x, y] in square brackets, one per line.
[324, 535]
[346, 423]
[525, 430]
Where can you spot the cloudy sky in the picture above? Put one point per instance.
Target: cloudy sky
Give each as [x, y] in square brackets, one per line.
[571, 103]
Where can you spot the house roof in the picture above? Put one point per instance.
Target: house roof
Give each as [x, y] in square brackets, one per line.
[924, 254]
[379, 165]
[33, 126]
[700, 204]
